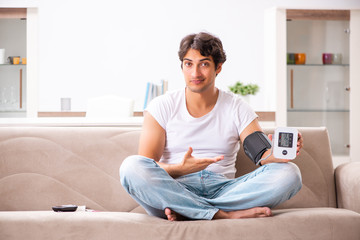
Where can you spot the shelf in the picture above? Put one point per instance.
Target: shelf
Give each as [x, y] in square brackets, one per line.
[8, 64]
[73, 114]
[263, 116]
[319, 65]
[12, 110]
[319, 110]
[301, 14]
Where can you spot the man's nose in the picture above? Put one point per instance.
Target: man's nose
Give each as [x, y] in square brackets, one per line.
[195, 72]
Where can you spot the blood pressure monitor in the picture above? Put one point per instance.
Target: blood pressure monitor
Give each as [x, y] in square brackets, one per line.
[285, 142]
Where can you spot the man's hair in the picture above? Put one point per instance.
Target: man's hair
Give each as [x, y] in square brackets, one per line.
[207, 44]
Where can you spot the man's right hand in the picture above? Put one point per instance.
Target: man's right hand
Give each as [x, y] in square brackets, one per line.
[191, 164]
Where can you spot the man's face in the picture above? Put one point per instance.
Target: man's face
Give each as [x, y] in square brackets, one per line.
[199, 71]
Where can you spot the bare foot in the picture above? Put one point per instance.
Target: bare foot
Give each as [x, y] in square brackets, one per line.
[173, 216]
[247, 213]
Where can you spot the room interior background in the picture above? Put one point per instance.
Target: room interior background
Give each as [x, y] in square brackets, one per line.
[93, 48]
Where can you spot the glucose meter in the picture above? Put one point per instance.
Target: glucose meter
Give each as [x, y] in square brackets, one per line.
[285, 143]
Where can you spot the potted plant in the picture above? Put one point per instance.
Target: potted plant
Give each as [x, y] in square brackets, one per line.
[244, 90]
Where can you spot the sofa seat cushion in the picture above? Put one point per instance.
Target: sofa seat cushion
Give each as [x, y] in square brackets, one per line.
[305, 223]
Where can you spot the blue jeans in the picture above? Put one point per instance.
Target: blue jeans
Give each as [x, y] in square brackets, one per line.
[200, 195]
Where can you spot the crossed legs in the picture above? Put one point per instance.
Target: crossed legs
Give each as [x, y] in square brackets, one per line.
[251, 195]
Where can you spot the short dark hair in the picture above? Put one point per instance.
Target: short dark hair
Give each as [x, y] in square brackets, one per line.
[207, 44]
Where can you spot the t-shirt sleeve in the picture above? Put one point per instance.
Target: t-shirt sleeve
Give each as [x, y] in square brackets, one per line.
[160, 108]
[245, 115]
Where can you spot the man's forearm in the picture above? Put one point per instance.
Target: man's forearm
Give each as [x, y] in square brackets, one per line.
[174, 170]
[189, 164]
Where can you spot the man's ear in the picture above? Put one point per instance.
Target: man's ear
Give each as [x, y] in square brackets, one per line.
[219, 68]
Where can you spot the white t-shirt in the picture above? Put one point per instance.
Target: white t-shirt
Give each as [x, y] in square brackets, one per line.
[216, 133]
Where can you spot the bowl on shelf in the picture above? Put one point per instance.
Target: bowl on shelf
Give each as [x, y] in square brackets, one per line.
[300, 58]
[336, 58]
[11, 59]
[291, 58]
[327, 58]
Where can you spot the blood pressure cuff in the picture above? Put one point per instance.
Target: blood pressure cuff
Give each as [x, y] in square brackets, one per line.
[255, 145]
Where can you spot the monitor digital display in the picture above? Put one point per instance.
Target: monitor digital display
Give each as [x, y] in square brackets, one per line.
[285, 139]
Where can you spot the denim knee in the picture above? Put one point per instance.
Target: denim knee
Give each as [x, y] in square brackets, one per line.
[131, 168]
[286, 182]
[295, 176]
[291, 180]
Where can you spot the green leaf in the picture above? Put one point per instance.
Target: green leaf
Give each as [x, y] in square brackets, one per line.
[240, 88]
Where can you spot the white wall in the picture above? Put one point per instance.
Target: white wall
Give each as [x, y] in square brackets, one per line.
[91, 48]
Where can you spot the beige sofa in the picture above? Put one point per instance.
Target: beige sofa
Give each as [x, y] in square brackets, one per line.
[45, 166]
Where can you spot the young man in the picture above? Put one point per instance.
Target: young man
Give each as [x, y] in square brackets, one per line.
[188, 146]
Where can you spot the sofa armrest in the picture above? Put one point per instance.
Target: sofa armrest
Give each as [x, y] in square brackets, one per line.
[347, 178]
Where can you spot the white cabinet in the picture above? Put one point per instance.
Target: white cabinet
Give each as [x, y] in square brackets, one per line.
[12, 90]
[19, 82]
[13, 76]
[318, 93]
[315, 94]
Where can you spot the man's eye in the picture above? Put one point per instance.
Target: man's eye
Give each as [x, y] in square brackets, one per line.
[187, 64]
[205, 64]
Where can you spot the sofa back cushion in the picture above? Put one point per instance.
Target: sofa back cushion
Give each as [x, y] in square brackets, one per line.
[46, 166]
